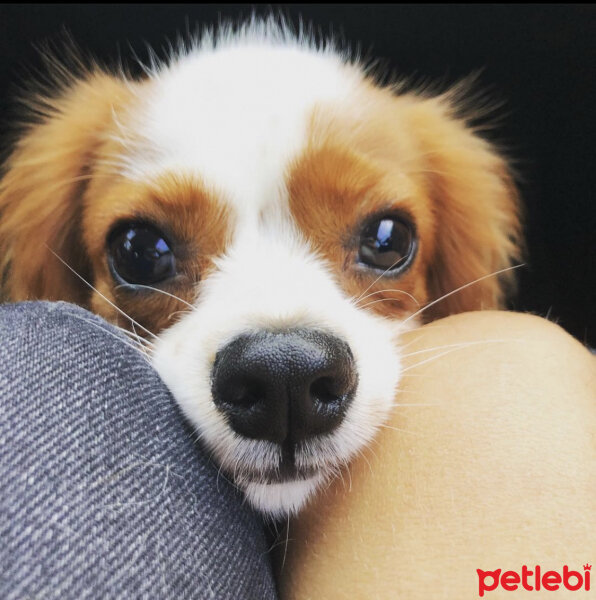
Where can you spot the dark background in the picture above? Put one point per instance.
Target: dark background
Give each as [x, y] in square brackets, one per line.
[539, 59]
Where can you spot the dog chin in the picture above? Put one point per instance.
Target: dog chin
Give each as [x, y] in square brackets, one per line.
[279, 500]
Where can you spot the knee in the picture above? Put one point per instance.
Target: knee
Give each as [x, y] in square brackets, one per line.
[501, 380]
[21, 316]
[41, 331]
[514, 338]
[493, 435]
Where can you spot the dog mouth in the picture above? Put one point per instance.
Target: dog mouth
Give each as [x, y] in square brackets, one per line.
[279, 479]
[282, 392]
[283, 488]
[290, 466]
[280, 463]
[281, 410]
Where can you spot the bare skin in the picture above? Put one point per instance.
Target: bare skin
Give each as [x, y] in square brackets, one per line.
[489, 463]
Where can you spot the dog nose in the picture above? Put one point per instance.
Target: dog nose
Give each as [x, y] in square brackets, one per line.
[284, 386]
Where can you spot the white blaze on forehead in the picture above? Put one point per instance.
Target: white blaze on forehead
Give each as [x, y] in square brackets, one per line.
[236, 115]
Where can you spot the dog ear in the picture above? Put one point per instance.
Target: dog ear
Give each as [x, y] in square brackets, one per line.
[42, 189]
[476, 208]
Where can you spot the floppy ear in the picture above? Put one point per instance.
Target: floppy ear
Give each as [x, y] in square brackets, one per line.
[42, 188]
[476, 211]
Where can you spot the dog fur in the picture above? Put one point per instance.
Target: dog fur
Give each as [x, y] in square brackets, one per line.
[262, 153]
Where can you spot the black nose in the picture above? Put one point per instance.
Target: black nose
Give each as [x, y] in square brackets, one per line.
[284, 386]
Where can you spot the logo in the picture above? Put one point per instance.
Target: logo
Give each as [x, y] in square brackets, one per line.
[534, 581]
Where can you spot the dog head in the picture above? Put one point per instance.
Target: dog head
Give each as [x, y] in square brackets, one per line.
[274, 218]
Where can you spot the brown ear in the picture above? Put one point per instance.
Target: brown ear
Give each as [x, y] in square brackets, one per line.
[41, 193]
[476, 210]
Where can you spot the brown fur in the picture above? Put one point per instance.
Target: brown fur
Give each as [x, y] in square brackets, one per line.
[378, 153]
[332, 192]
[476, 209]
[430, 165]
[192, 218]
[40, 194]
[60, 197]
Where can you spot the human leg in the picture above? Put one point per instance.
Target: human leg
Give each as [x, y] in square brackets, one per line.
[103, 493]
[487, 462]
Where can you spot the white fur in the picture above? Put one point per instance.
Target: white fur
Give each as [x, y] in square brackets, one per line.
[269, 279]
[279, 499]
[235, 114]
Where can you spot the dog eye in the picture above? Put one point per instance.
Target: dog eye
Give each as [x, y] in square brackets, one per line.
[388, 243]
[140, 254]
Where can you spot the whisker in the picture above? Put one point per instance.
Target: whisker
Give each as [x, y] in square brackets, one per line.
[154, 289]
[423, 332]
[361, 454]
[377, 301]
[277, 542]
[379, 277]
[148, 344]
[100, 294]
[459, 345]
[136, 348]
[454, 349]
[432, 358]
[403, 430]
[400, 404]
[220, 472]
[346, 469]
[135, 333]
[129, 334]
[411, 343]
[459, 289]
[134, 336]
[177, 312]
[337, 473]
[420, 375]
[403, 392]
[283, 562]
[360, 298]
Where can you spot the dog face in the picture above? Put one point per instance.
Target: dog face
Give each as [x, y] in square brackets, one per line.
[270, 219]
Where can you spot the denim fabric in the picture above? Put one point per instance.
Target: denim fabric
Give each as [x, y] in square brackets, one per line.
[103, 493]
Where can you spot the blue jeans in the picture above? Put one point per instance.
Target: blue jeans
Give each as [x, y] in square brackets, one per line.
[103, 492]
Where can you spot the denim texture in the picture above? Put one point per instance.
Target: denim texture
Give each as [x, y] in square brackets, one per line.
[103, 492]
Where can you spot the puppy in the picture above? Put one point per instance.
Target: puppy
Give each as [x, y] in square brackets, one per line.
[268, 218]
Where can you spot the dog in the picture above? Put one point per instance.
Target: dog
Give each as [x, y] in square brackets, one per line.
[265, 218]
